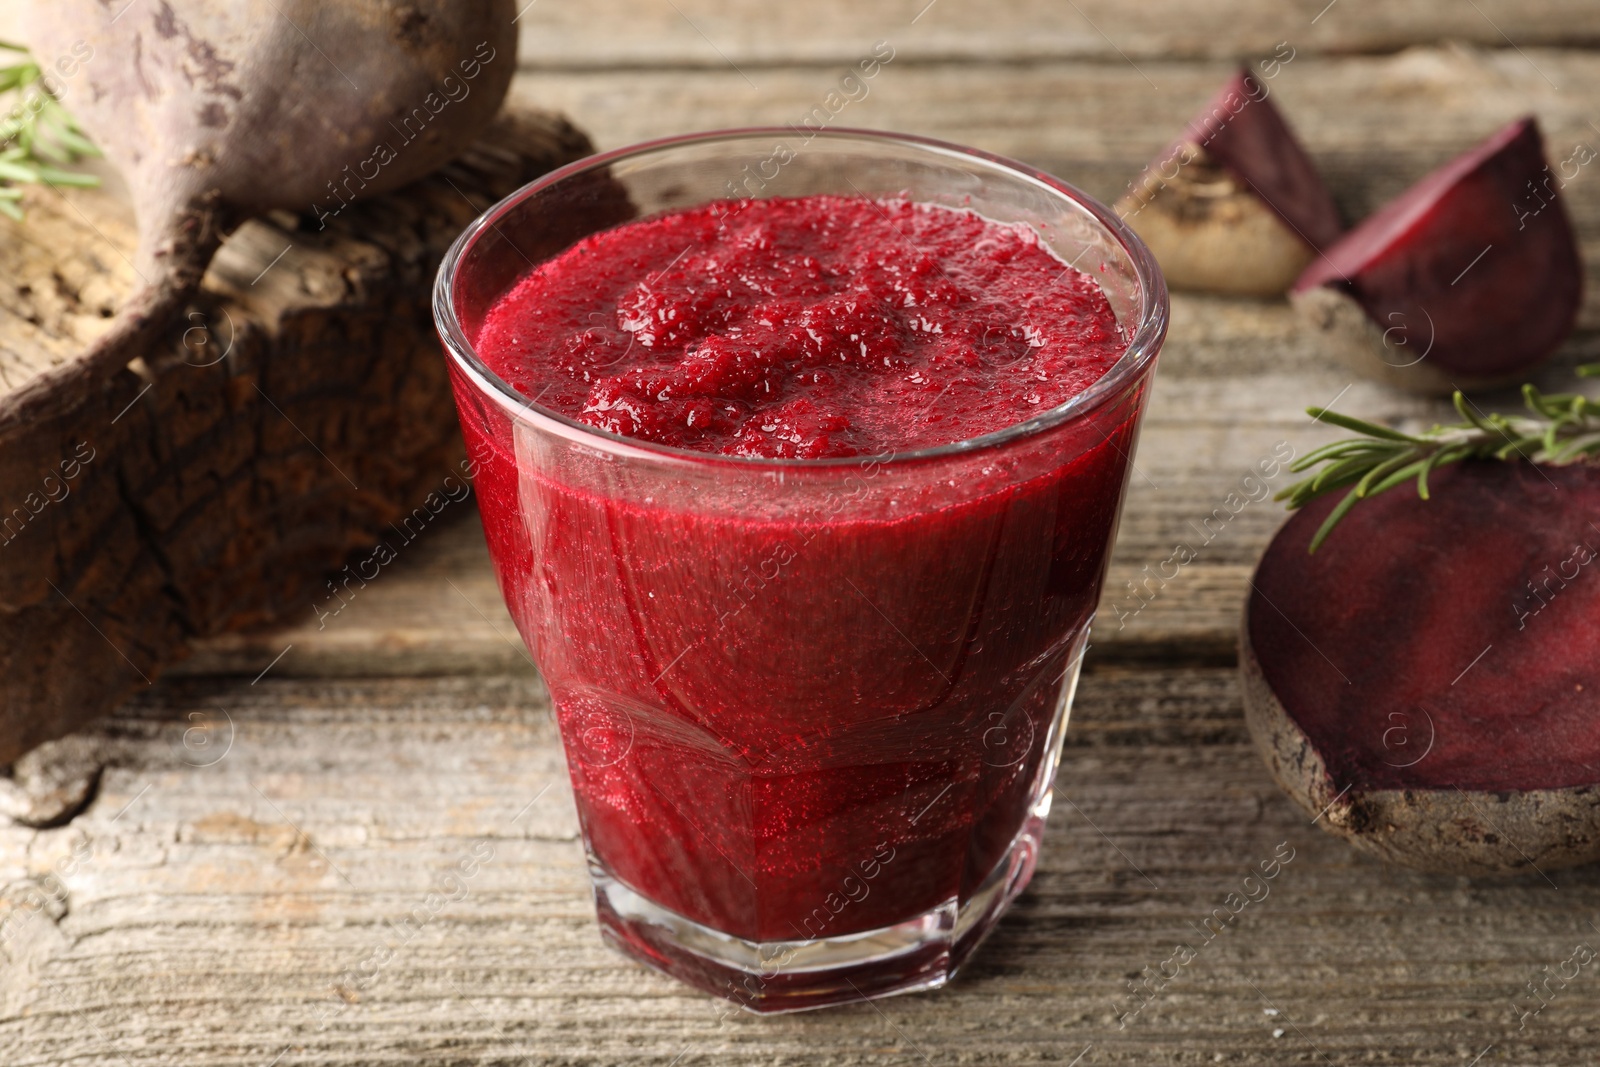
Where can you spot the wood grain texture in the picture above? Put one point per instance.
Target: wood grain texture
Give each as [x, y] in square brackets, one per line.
[220, 903]
[752, 34]
[1372, 124]
[299, 407]
[222, 908]
[437, 610]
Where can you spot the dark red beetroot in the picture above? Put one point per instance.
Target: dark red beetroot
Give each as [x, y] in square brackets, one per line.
[1431, 677]
[1234, 205]
[1470, 278]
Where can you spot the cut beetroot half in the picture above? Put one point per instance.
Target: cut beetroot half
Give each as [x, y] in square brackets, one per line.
[1254, 144]
[1428, 684]
[1234, 205]
[1470, 278]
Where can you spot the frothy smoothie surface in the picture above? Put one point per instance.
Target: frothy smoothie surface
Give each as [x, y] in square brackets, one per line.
[804, 328]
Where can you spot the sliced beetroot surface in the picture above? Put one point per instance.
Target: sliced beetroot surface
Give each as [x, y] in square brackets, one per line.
[1242, 130]
[1468, 258]
[1414, 629]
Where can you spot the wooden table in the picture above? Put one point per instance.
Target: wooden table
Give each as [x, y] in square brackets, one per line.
[256, 877]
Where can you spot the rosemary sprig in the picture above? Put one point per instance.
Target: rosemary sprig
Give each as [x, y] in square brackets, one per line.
[1559, 428]
[39, 140]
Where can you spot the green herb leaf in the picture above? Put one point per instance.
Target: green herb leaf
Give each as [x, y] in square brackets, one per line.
[39, 140]
[1560, 428]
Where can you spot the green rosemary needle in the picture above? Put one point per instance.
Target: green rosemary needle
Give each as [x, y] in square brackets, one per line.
[1559, 428]
[39, 140]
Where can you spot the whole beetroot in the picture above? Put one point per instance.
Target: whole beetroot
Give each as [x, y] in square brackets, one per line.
[217, 110]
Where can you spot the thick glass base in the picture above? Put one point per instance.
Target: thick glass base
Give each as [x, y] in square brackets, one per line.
[768, 977]
[922, 951]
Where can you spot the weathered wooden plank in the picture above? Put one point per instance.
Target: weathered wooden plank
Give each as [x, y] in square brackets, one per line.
[222, 914]
[619, 33]
[437, 610]
[220, 905]
[1235, 377]
[1373, 124]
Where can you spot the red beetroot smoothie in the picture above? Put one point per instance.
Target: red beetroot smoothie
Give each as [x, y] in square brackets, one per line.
[803, 723]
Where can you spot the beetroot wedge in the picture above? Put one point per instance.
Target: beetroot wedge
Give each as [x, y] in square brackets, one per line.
[1235, 204]
[1429, 681]
[1470, 278]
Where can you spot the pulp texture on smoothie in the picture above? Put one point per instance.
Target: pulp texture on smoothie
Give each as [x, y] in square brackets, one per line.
[804, 328]
[823, 703]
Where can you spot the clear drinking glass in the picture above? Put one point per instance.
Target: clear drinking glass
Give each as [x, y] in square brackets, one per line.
[812, 709]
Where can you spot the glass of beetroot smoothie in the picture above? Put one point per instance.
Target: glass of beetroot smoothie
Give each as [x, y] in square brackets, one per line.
[800, 455]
